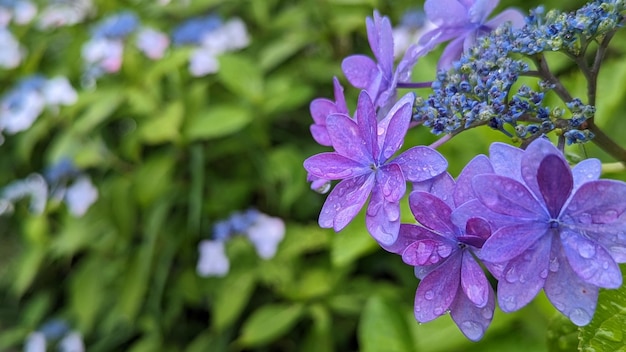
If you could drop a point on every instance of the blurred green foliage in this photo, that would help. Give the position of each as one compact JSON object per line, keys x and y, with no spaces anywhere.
{"x":171,"y":154}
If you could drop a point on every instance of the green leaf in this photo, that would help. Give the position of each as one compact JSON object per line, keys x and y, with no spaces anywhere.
{"x":98,"y":112}
{"x":383,"y":327}
{"x":30,"y":263}
{"x":217,"y":121}
{"x":153,"y":178}
{"x":606,"y":331}
{"x":87,"y":293}
{"x":242,"y":76}
{"x":165,"y":126}
{"x":268,"y":323}
{"x":351,"y":243}
{"x":562,"y":334}
{"x":280,"y":50}
{"x":232,"y":298}
{"x":320,"y":335}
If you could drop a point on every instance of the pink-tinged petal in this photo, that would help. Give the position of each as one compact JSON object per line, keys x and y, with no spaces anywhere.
{"x":345,"y":201}
{"x":532,"y":158}
{"x":474,"y":208}
{"x":446,"y":13}
{"x":511,"y":241}
{"x":590,"y":261}
{"x":367,"y":123}
{"x":569,"y":294}
{"x":409,"y":234}
{"x":451,"y":53}
{"x":473,"y":281}
{"x":346,"y":138}
{"x":320,"y":134}
{"x":477,"y":231}
{"x":586,"y":171}
{"x":506,"y":160}
{"x":506,"y":196}
{"x":524,"y":276}
{"x":426,"y":252}
{"x":437,"y":290}
{"x":390,"y":182}
{"x":471,"y":320}
{"x":555,"y":183}
{"x":463,"y":191}
{"x":332,"y":166}
{"x":360,"y":70}
{"x":515,"y":17}
{"x":392,"y":129}
{"x":432,"y":213}
{"x":380,"y":37}
{"x":421,"y":163}
{"x":382,"y":218}
{"x":320,"y":108}
{"x":340,"y":99}
{"x":481,"y":9}
{"x":440,"y":186}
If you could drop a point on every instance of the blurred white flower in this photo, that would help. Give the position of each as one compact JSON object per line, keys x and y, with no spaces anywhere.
{"x":24,"y":12}
{"x":19,"y":113}
{"x":35,"y":342}
{"x":105,"y":54}
{"x":64,"y":13}
{"x":213,"y":260}
{"x":72,"y":342}
{"x":80,"y":196}
{"x":265,"y":234}
{"x":203,"y":62}
{"x":11,"y":52}
{"x":152,"y":43}
{"x":233,"y":35}
{"x":33,"y":186}
{"x":59,"y":91}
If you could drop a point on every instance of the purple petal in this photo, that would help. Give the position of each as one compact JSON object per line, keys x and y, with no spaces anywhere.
{"x":446,"y":13}
{"x":481,"y":9}
{"x":367,"y":123}
{"x":590,"y":261}
{"x":463,"y":191}
{"x":471,"y":320}
{"x":332,"y":166}
{"x":473,"y":281}
{"x":437,"y":290}
{"x":506,"y":160}
{"x":380,"y":37}
{"x":345,"y":201}
{"x":346,"y":139}
{"x":320,"y":108}
{"x":511,"y":241}
{"x":390,"y":181}
{"x":360,"y":70}
{"x":421,"y":163}
{"x":432,"y":213}
{"x":382,"y":218}
{"x":340,"y":99}
{"x":532,"y":158}
{"x":409,"y":234}
{"x":392,"y":129}
{"x":478,"y":227}
{"x":427,"y":251}
{"x":474,"y":208}
{"x":555,"y":183}
{"x":441,"y":186}
{"x":506,"y":196}
{"x":586,"y":171}
{"x":570,"y":295}
{"x":509,"y":15}
{"x":451,"y":53}
{"x":524,"y":276}
{"x":320,"y":134}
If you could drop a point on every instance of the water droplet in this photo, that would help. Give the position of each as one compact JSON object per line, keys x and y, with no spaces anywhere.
{"x":544,"y":273}
{"x":610,"y":215}
{"x":586,"y":250}
{"x":605,"y":265}
{"x":381,"y":130}
{"x":429,"y":295}
{"x":486,"y":313}
{"x":511,"y":276}
{"x":438,"y":311}
{"x":472,"y":329}
{"x":444,"y":251}
{"x":508,"y":303}
{"x":323,"y":189}
{"x":585,"y":218}
{"x":579,"y":317}
{"x":554,"y":264}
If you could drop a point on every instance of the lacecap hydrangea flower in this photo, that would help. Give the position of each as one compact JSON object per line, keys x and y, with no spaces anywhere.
{"x":363,"y":160}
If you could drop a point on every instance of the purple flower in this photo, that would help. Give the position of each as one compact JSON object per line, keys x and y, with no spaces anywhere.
{"x":462,"y":21}
{"x":561,"y":229}
{"x":320,"y":109}
{"x":378,"y":78}
{"x":443,"y":254}
{"x":363,"y":161}
{"x":212,"y":260}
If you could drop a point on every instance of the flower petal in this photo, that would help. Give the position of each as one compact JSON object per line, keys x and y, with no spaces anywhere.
{"x":471,"y":320}
{"x":425,"y":252}
{"x":346,"y":138}
{"x":506,"y":160}
{"x":380,"y":37}
{"x":451,"y":53}
{"x":345,"y":201}
{"x":441,"y":186}
{"x":367,"y":123}
{"x":408,"y":234}
{"x":340,"y":99}
{"x":320,"y":108}
{"x":511,"y":241}
{"x":473,"y":281}
{"x":463,"y":191}
{"x":507,"y":196}
{"x":382,"y":218}
{"x":390,"y":181}
{"x":432,"y":213}
{"x":555,"y":183}
{"x":509,"y":15}
{"x":481,"y":9}
{"x":392,"y":129}
{"x":320,"y":134}
{"x":446,"y":13}
{"x":360,"y":70}
{"x":421,"y":163}
{"x":586,"y":171}
{"x":532,"y":158}
{"x":474,"y":208}
{"x":569,"y":294}
{"x":524,"y":276}
{"x":437,"y":290}
{"x":332,"y":166}
{"x":590,"y":261}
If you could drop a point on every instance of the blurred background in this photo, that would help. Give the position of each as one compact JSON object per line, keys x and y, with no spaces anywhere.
{"x":152,"y":191}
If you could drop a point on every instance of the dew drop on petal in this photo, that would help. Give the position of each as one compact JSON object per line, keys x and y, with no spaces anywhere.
{"x":472,"y":329}
{"x":544,"y":273}
{"x":605,"y":265}
{"x":554,"y":264}
{"x":508,"y":303}
{"x":487,"y":313}
{"x":429,"y":295}
{"x":586,"y":250}
{"x":438,"y":311}
{"x":610,"y":215}
{"x":381,"y":130}
{"x":585,"y":218}
{"x":511,"y":276}
{"x":444,"y":251}
{"x":579,"y":317}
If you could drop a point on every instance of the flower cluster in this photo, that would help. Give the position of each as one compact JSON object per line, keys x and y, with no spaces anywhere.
{"x":264,"y":231}
{"x":524,"y":215}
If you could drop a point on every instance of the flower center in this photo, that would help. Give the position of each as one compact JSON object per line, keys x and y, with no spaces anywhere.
{"x":554,"y":223}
